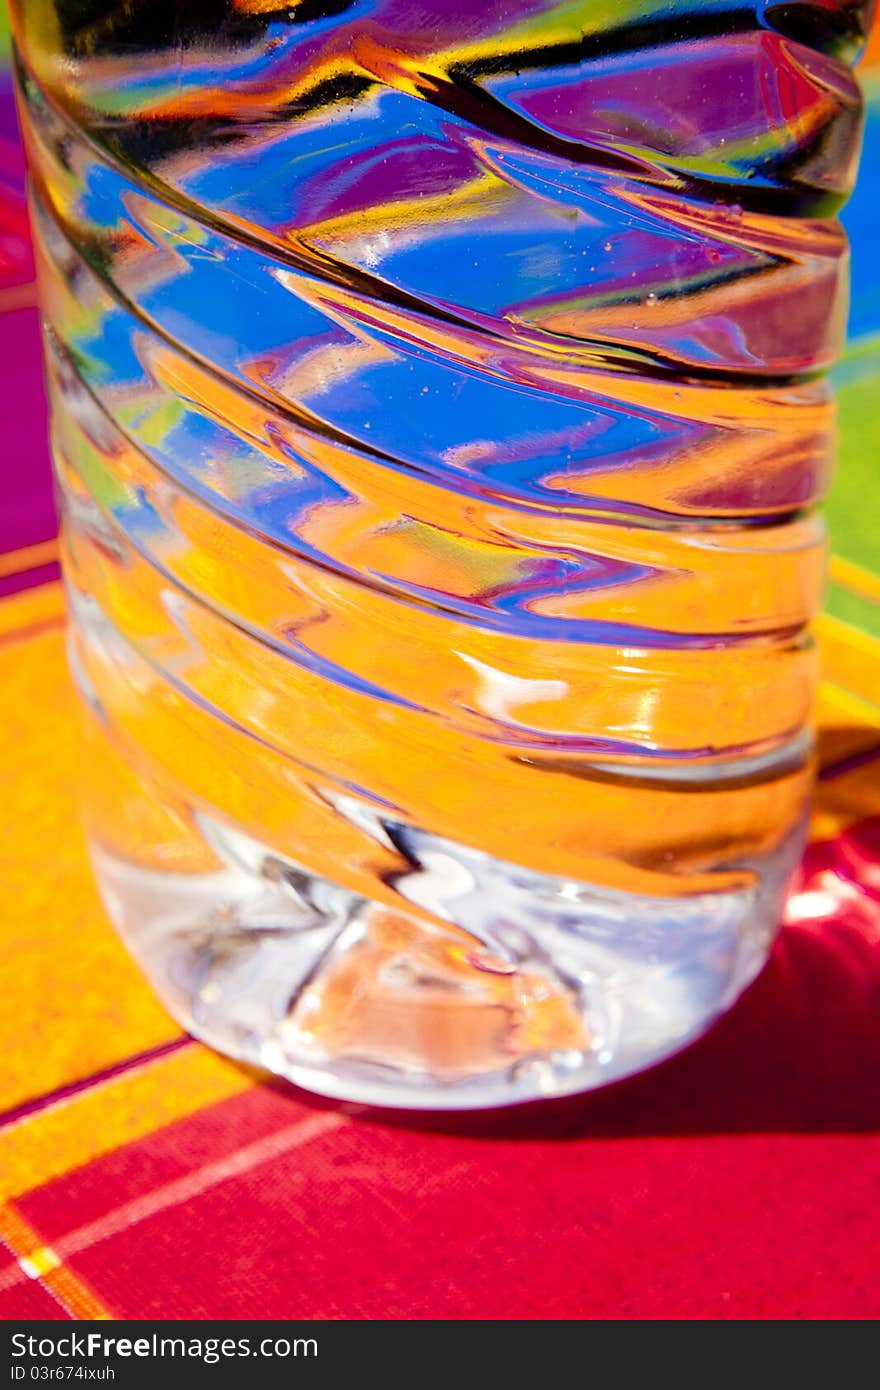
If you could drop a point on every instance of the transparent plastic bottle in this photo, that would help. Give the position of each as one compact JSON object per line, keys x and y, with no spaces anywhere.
{"x":439,"y":417}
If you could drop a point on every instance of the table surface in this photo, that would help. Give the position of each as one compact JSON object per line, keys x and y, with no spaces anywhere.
{"x":142,"y":1175}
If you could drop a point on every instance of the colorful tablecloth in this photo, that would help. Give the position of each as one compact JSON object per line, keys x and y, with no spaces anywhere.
{"x":143,"y":1176}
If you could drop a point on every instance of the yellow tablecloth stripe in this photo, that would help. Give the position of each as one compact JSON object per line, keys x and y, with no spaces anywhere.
{"x":102,"y":1118}
{"x":49,"y":907}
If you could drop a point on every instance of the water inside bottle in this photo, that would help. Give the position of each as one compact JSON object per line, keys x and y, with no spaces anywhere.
{"x":439,"y":415}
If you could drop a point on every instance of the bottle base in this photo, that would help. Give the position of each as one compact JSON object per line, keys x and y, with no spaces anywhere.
{"x":555,"y":988}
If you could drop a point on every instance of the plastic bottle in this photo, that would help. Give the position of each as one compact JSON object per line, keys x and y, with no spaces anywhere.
{"x":439,"y":416}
